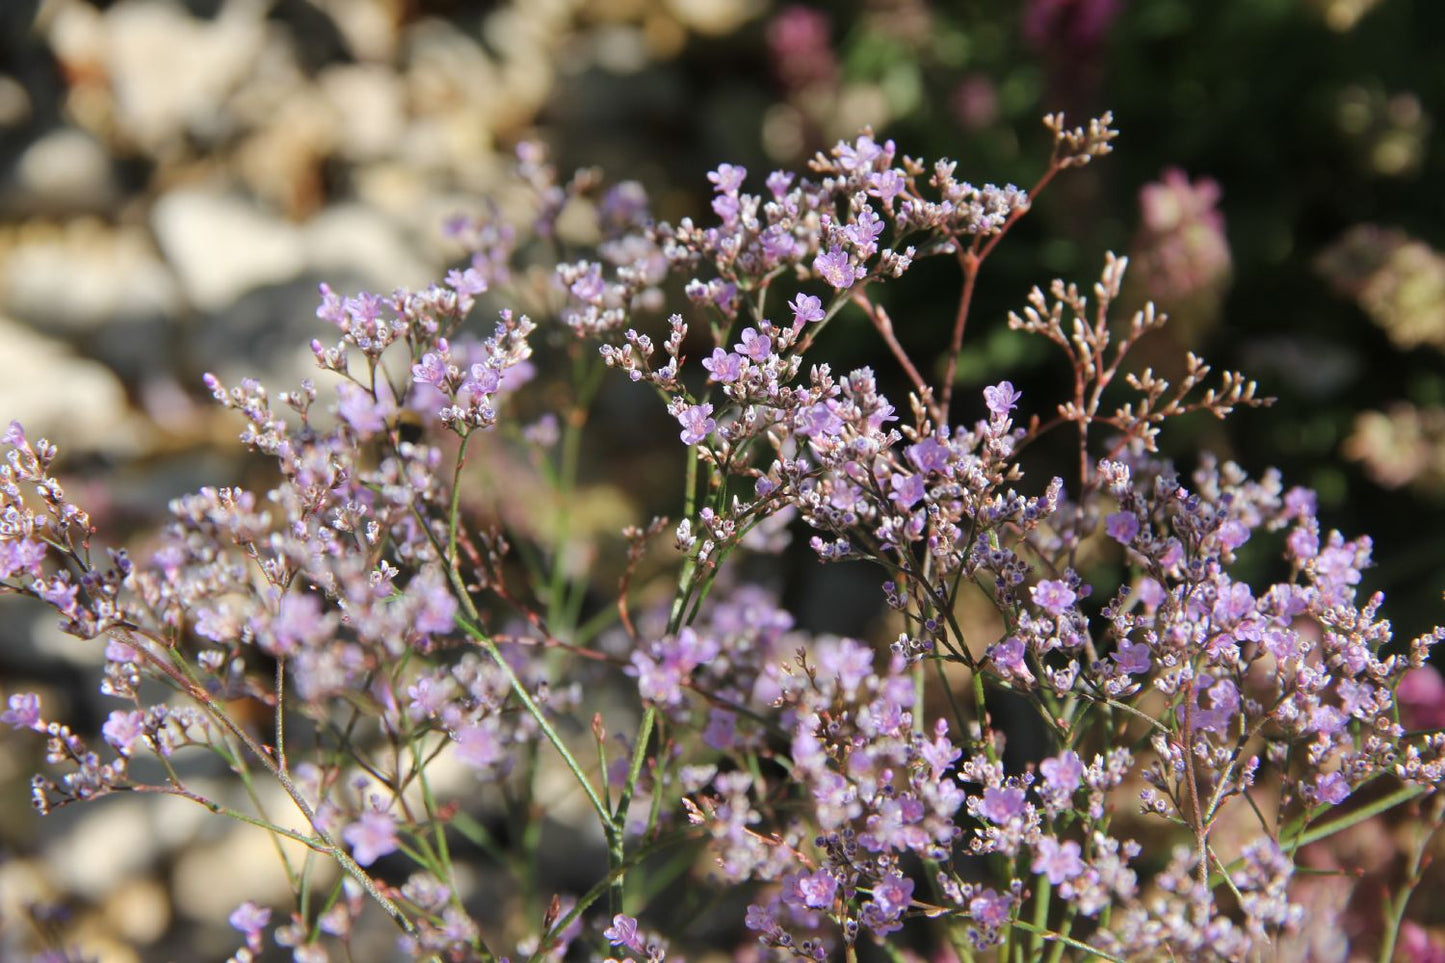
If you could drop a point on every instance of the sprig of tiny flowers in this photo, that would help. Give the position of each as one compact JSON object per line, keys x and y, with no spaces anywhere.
{"x":367,"y":604}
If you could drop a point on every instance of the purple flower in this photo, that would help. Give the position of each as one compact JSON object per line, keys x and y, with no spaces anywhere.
{"x":623,"y":932}
{"x":817,"y":889}
{"x":431,"y":370}
{"x":21,"y":555}
{"x":1053,"y":596}
{"x":24,"y":711}
{"x":60,"y":593}
{"x":820,"y":420}
{"x":1233,"y":534}
{"x":1001,"y":398}
{"x":1223,"y":706}
{"x":123,"y":730}
{"x":854,"y":158}
{"x":1008,"y":657}
{"x":806,"y":308}
{"x":724,"y":366}
{"x":990,"y":909}
{"x":892,"y":894}
{"x":1122,"y":527}
{"x":428,"y":697}
{"x":364,"y":414}
{"x":438,"y":607}
{"x":251,"y":920}
{"x":1132,"y":657}
{"x":1058,"y":861}
{"x":835,"y":268}
{"x":1063,"y":772}
{"x":371,"y":837}
{"x":298,"y":622}
{"x":886,"y":185}
{"x":1332,"y":788}
{"x":468,"y":283}
{"x":908,"y":489}
{"x":1001,"y":804}
{"x":728,"y":178}
{"x":589,"y":286}
{"x":929,"y":455}
{"x":755,"y":346}
{"x":864,"y":232}
{"x":696,"y":423}
{"x":479,"y":747}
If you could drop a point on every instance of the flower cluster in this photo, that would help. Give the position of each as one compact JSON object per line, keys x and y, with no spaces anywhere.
{"x":424,"y":661}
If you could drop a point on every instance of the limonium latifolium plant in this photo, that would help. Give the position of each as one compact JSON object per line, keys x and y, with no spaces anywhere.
{"x":439,"y":680}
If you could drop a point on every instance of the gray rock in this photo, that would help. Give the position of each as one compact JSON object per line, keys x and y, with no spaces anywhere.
{"x":63,"y":172}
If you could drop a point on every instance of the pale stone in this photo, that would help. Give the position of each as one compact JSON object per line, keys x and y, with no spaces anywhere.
{"x":715,"y":17}
{"x":75,"y":402}
{"x":352,"y":239}
{"x":14,"y":103}
{"x":370,"y":105}
{"x":222,"y":246}
{"x":81,"y":275}
{"x":245,"y":859}
{"x":139,"y":911}
{"x":169,"y":70}
{"x":368,"y":26}
{"x":106,"y":845}
{"x":65,"y":170}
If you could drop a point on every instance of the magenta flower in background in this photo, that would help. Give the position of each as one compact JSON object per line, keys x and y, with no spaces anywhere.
{"x":1068,"y":23}
{"x":1181,"y":249}
{"x":1421,"y":695}
{"x":800,"y":44}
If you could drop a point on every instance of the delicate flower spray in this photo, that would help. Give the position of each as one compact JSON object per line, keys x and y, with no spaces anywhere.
{"x":399,"y":635}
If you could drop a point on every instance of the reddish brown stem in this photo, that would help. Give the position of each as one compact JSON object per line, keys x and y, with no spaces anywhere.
{"x":884,"y":324}
{"x":971,"y":259}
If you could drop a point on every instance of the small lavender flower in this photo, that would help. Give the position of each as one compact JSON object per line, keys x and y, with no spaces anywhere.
{"x":1001,"y":398}
{"x":696,"y":423}
{"x":1053,"y":596}
{"x":251,"y":920}
{"x":1122,"y":527}
{"x":124,"y":729}
{"x":806,"y":309}
{"x":23,"y":711}
{"x":371,"y":836}
{"x":1058,"y":861}
{"x":837,"y":269}
{"x":623,"y":932}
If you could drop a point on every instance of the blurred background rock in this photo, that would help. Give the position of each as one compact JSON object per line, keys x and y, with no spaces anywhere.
{"x":177,"y":177}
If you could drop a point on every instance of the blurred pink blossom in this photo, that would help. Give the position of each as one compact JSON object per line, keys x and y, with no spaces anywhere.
{"x":1422,"y":698}
{"x":1182,"y":249}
